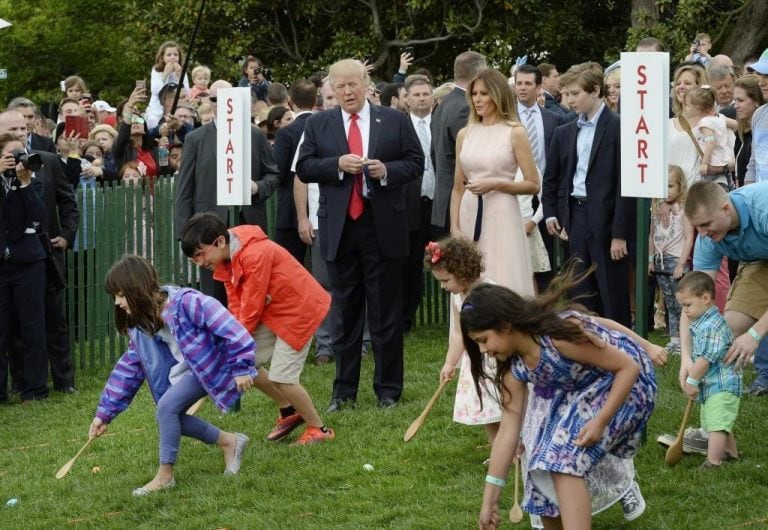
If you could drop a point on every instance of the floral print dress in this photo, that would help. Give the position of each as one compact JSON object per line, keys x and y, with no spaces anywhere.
{"x":576,"y":392}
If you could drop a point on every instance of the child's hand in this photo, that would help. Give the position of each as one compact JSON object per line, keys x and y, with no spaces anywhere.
{"x":679,"y":271}
{"x":97,"y":427}
{"x":489,"y":518}
{"x":651,"y":267}
{"x":591,"y":433}
{"x":244,"y":383}
{"x":690,"y":390}
{"x":657,"y":355}
{"x":446,"y":372}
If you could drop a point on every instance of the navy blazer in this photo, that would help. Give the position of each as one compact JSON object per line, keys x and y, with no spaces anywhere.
{"x":610,"y":214}
{"x":286,"y":142}
{"x":393,"y":141}
{"x":22,"y":209}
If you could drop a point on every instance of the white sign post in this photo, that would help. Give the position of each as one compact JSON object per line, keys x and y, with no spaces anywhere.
{"x":233,"y":147}
{"x":644,"y":124}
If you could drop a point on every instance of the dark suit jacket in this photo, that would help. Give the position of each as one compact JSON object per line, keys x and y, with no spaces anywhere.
{"x":610,"y":214}
{"x":21,"y":208}
{"x":41,"y":143}
{"x":196,"y":183}
{"x":551,"y":121}
{"x":61,"y":213}
{"x":392,"y":140}
{"x":450,"y":117}
{"x":286,"y":142}
{"x":551,"y":104}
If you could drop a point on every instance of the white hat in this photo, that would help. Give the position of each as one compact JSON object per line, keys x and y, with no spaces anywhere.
{"x":103,"y":106}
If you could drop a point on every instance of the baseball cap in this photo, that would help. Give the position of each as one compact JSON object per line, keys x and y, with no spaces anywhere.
{"x":103,"y":106}
{"x":761,"y":66}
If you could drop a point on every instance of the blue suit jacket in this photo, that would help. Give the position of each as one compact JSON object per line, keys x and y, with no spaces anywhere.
{"x":286,"y":142}
{"x":393,"y":141}
{"x":610,"y":214}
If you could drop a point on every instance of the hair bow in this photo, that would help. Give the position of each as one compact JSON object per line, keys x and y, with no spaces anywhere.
{"x":434,"y":251}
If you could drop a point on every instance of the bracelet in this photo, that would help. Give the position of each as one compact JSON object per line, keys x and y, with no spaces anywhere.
{"x":490,"y":479}
{"x":693,"y":382}
{"x":754,"y":334}
{"x":651,"y":259}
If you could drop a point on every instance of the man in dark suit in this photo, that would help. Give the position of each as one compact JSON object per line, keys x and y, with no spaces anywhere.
{"x":540,"y":124}
{"x":196,"y":184}
{"x":449,"y":118}
{"x":60,"y":224}
{"x":550,"y":84}
{"x":582,"y":194}
{"x":34,"y":141}
{"x":303,"y":94}
{"x":361,"y":155}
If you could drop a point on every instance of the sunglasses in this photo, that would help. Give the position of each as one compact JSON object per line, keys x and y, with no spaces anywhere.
{"x":212,"y":99}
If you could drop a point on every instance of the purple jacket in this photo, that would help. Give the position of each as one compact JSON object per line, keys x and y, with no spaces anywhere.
{"x":216,"y":346}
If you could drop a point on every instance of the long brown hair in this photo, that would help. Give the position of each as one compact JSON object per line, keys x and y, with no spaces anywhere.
{"x":501,"y":95}
{"x":493,"y":307}
{"x":160,"y":62}
{"x":136,"y":279}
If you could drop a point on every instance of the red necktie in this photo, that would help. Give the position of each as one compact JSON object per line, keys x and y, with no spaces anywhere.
{"x":355,"y":141}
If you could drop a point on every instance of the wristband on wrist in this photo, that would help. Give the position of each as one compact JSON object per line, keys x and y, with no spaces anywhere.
{"x":490,"y":479}
{"x":693,"y":382}
{"x":754,"y":334}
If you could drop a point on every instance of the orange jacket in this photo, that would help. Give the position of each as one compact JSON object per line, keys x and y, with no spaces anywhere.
{"x":260,"y":268}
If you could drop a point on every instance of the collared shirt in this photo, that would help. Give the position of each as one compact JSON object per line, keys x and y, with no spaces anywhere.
{"x":749,"y":242}
{"x":428,"y":180}
{"x":535,"y":109}
{"x":584,"y":138}
{"x":711,"y":339}
{"x":363,"y":123}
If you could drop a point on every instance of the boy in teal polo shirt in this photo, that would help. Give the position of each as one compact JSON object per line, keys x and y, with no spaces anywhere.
{"x":716,"y":385}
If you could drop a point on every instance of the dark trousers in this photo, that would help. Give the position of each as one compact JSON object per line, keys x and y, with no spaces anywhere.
{"x":605,"y":291}
{"x":212,"y":287}
{"x":413,"y":278}
{"x":22,"y":297}
{"x":57,"y":338}
{"x":289,"y":239}
{"x":360,"y":275}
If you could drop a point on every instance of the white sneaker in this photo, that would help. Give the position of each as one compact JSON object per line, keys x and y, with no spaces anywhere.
{"x":632,"y":502}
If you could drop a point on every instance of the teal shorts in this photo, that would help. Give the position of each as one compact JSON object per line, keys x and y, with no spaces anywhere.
{"x":718,"y":413}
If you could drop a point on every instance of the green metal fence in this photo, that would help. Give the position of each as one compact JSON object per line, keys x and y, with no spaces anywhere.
{"x":115,"y":220}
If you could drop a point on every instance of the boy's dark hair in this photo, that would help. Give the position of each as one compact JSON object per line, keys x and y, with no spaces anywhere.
{"x":390,"y":90}
{"x":696,"y":283}
{"x":202,"y":229}
{"x":530,"y":69}
{"x":303,"y":93}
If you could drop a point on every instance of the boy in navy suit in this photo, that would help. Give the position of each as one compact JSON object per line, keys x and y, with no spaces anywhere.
{"x":582,"y":193}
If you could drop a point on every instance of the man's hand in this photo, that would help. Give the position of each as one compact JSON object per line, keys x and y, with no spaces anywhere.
{"x":306,"y":232}
{"x":351,"y":164}
{"x":741,"y":350}
{"x":406,"y":60}
{"x":665,"y":211}
{"x":59,"y":243}
{"x":618,"y":249}
{"x":375,"y":169}
{"x":254,"y":188}
{"x":553,"y":227}
{"x":563,"y":235}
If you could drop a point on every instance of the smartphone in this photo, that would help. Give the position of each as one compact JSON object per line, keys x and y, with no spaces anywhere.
{"x":76,"y":124}
{"x":369,"y":58}
{"x":409,"y":50}
{"x":141,"y":83}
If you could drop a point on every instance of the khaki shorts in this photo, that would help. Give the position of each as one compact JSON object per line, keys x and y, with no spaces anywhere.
{"x":286,"y":363}
{"x":749,"y":292}
{"x":718,"y":413}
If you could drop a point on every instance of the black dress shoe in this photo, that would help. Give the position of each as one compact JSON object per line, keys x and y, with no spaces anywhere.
{"x":338,"y":404}
{"x":387,"y":403}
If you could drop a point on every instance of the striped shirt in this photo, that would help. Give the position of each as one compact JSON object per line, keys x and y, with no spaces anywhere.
{"x":757,"y":167}
{"x":711,"y":339}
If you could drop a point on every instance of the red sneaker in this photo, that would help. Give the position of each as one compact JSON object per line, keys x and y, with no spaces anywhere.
{"x":315,"y":435}
{"x":284,"y":426}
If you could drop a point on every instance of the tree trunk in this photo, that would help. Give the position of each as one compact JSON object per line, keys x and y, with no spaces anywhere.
{"x":747,"y":38}
{"x":645,"y":13}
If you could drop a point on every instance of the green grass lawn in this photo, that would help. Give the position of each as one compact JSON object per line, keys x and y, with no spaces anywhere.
{"x":435,"y":481}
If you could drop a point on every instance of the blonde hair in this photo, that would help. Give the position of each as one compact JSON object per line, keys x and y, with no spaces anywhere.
{"x":77,"y":81}
{"x":701,"y":79}
{"x":501,"y":95}
{"x":703,"y":98}
{"x":347,"y":67}
{"x":676,"y":173}
{"x":615,"y":73}
{"x":200,"y":69}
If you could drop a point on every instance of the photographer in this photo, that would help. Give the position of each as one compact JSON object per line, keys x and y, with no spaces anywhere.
{"x":256,"y":76}
{"x":22,"y":267}
{"x":699,"y":51}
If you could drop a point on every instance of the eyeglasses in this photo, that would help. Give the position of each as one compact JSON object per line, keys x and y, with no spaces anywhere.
{"x":202,"y":253}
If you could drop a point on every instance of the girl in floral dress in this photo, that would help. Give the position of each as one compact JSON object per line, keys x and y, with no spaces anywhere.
{"x":595,"y":374}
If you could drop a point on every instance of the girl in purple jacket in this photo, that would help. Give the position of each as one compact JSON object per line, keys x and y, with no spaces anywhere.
{"x":186,"y":345}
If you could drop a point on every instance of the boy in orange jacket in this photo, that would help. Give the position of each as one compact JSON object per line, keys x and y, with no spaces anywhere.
{"x":278,"y":302}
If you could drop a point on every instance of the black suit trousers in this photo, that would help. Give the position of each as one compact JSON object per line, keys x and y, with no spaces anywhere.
{"x":289,"y":239}
{"x":360,"y":275}
{"x":605,"y":291}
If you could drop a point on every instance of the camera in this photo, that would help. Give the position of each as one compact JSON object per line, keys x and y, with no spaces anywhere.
{"x":266,"y":72}
{"x":31,"y":162}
